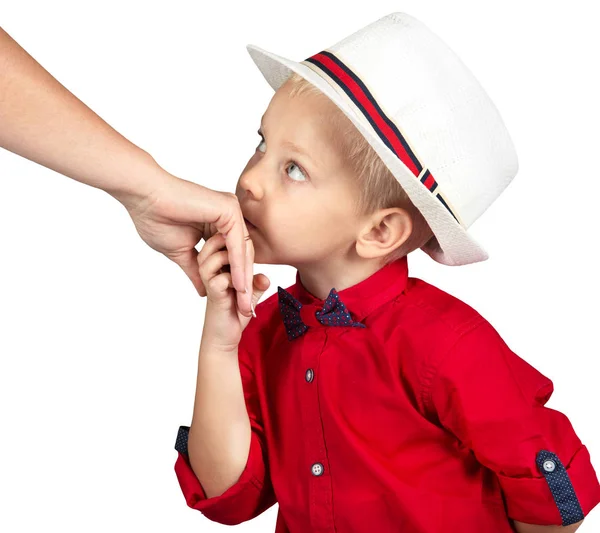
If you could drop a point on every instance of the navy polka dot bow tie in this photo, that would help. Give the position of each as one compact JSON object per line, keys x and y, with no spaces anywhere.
{"x":333,"y":313}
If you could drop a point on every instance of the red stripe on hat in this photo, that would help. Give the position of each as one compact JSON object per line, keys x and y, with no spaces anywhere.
{"x":429,"y":181}
{"x":367,"y":104}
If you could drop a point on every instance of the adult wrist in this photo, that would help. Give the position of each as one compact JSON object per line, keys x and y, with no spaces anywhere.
{"x":139,"y":182}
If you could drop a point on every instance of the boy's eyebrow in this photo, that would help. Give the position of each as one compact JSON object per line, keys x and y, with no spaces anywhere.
{"x":290,"y":144}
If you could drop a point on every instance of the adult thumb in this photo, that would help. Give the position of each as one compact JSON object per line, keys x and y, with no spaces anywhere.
{"x":188,"y":261}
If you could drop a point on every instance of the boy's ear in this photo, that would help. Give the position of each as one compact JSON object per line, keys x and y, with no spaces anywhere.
{"x":384,"y":231}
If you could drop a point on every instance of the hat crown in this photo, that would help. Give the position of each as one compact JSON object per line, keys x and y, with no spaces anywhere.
{"x":425,"y":115}
{"x":440,"y":108}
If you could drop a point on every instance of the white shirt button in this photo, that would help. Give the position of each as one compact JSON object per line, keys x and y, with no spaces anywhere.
{"x":317,"y":469}
{"x":309,"y":375}
{"x":549,"y":465}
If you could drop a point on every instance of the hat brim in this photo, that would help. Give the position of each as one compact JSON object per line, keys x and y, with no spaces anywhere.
{"x":451,"y":244}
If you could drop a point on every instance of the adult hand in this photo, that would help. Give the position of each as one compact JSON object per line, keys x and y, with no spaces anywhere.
{"x":175,"y":215}
{"x":44,"y":122}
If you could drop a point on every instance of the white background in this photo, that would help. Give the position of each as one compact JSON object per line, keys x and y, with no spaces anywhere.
{"x":100,"y":334}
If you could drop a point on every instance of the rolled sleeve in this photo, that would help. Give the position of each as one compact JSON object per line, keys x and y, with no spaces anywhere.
{"x":247,"y":498}
{"x":493,"y":401}
{"x":253,"y":493}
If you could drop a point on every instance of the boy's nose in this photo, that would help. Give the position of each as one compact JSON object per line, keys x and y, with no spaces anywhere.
{"x":252,"y":186}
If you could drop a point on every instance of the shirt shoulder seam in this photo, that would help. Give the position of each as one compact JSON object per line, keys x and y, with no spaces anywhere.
{"x":432,"y":370}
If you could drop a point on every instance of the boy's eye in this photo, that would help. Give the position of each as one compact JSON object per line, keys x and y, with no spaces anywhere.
{"x":262,"y":140}
{"x":293,"y":165}
{"x":298,"y":171}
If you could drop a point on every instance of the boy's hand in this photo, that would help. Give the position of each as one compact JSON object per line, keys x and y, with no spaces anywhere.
{"x":224,"y":323}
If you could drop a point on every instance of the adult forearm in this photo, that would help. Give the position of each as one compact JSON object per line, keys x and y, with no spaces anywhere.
{"x":219,"y":437}
{"x":45,"y":123}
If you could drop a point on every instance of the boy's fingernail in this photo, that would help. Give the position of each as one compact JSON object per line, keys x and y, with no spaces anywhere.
{"x":253,"y":312}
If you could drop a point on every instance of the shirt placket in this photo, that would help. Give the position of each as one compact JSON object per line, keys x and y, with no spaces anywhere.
{"x":317,"y":463}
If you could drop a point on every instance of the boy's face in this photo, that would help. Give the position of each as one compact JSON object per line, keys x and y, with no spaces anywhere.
{"x":300,"y":199}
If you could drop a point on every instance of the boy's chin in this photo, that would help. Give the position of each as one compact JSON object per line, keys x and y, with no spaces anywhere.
{"x":266,"y":257}
{"x":259,"y":255}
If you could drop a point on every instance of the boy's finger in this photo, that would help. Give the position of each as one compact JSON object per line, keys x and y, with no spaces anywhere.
{"x":213,"y":266}
{"x":220,"y":285}
{"x":261,"y":284}
{"x":212,"y":245}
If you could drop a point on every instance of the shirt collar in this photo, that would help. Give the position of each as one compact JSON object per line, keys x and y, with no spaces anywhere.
{"x":367,"y":295}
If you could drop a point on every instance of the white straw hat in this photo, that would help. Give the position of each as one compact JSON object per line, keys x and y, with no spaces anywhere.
{"x":425,"y":115}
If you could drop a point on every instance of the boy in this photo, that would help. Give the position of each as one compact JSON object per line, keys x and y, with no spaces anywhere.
{"x":361,"y":399}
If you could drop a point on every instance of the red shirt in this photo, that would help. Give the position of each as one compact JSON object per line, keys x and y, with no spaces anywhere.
{"x":424,"y":421}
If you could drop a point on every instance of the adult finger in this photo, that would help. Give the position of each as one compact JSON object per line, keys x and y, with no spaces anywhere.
{"x":188,"y":262}
{"x":221,"y":210}
{"x":195,"y":204}
{"x":235,"y":231}
{"x":250,"y":266}
{"x":241,"y":298}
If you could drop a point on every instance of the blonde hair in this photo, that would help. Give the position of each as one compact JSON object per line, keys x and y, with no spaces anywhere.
{"x":377,"y":186}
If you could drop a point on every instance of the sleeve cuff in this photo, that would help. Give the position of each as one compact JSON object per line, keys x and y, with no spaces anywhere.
{"x":559,"y":496}
{"x":240,"y":502}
